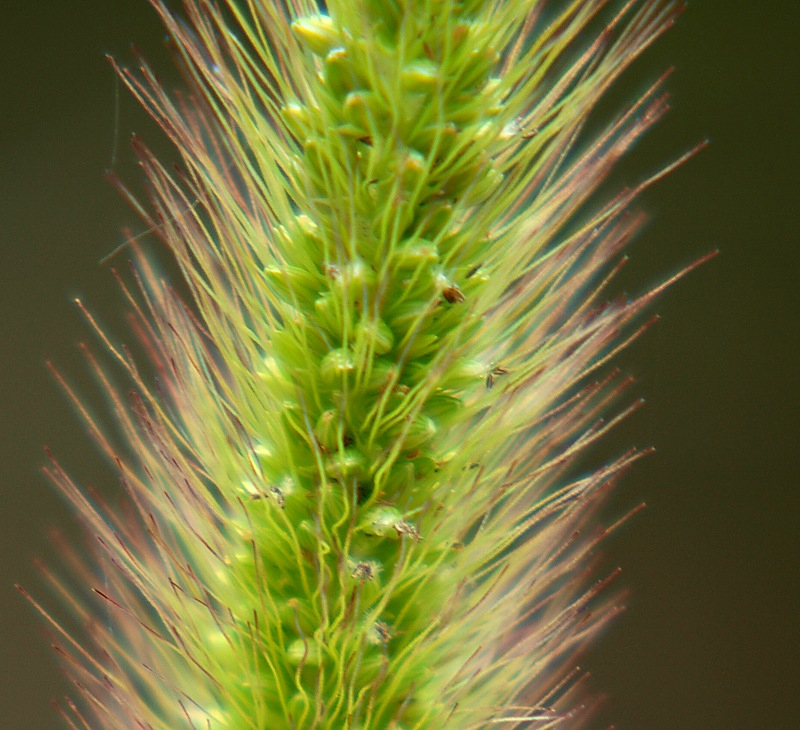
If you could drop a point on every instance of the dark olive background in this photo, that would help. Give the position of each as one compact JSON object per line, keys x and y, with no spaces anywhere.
{"x":710,"y":638}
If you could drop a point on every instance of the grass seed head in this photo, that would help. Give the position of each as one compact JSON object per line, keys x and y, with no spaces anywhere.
{"x":351,"y":476}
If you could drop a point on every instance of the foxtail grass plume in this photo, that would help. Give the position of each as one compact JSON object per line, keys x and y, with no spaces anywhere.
{"x":349,"y":459}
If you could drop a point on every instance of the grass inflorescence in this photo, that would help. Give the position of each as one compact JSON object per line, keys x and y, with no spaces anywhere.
{"x":352,"y":504}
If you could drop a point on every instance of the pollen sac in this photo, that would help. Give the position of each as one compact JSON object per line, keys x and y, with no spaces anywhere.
{"x":409,"y":530}
{"x":378,"y":632}
{"x":364,"y":571}
{"x":450,"y":291}
{"x":317,"y":33}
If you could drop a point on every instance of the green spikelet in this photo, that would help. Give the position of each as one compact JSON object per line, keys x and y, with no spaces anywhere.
{"x":351,"y":478}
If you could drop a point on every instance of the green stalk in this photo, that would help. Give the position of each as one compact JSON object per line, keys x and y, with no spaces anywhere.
{"x":353,"y":503}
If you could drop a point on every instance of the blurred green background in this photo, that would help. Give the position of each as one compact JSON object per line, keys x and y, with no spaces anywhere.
{"x":710,"y":639}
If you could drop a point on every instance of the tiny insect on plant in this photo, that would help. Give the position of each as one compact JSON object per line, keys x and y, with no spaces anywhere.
{"x":349,"y":458}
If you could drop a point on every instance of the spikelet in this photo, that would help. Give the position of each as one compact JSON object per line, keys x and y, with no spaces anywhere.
{"x":350,"y":480}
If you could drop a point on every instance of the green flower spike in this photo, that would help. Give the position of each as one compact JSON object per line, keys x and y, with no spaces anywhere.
{"x":350,"y":479}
